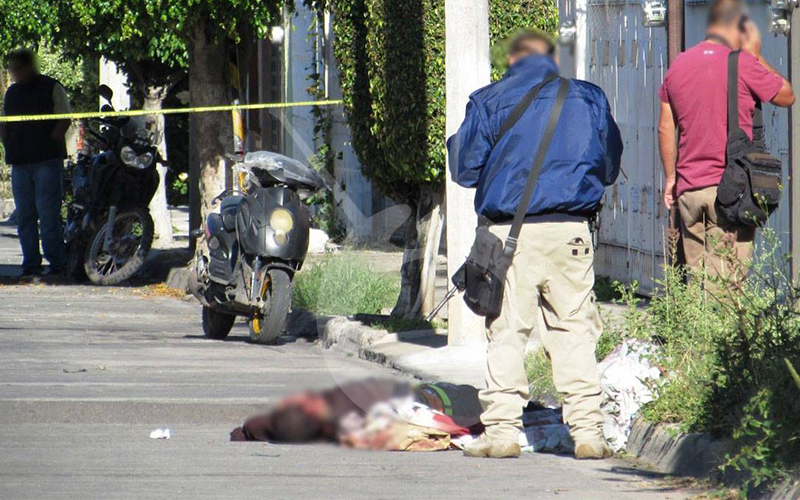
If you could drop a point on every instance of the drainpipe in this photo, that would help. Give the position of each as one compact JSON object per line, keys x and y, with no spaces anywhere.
{"x":675,"y":38}
{"x":794,"y":145}
{"x":675,"y":34}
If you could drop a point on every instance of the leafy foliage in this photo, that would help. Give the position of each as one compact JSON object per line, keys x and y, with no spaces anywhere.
{"x":727,"y":347}
{"x":22,"y":21}
{"x":156,"y":30}
{"x":325,"y":216}
{"x":392,"y":72}
{"x":78,"y":75}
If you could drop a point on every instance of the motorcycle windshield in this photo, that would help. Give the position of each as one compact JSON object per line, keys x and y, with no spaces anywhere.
{"x":284,"y":169}
{"x":142,"y":131}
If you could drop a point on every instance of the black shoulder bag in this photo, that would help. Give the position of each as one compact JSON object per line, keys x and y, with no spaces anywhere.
{"x":749,"y":190}
{"x":482,"y":277}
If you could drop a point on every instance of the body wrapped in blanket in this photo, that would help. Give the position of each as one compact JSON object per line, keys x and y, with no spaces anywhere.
{"x":371,"y":413}
{"x":383,"y":414}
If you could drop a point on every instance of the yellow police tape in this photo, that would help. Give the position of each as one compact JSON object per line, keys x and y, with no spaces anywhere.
{"x":172,"y":111}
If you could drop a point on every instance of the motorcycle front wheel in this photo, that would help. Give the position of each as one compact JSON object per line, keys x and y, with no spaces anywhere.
{"x":131,"y":242}
{"x":267,"y":324}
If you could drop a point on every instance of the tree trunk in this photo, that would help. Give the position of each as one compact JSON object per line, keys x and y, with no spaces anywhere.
{"x":153,"y":99}
{"x":212,"y":132}
{"x":422,"y":235}
{"x":433,"y":226}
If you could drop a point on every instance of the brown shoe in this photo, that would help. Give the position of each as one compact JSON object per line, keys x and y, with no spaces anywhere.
{"x":486,"y":447}
{"x":592,"y":452}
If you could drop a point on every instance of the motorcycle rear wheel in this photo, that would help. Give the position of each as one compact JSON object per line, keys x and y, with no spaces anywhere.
{"x":217,"y":325}
{"x":268,"y":324}
{"x":133,"y":237}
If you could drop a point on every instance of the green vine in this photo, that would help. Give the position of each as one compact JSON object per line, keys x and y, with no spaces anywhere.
{"x":391,"y":62}
{"x":325,"y":157}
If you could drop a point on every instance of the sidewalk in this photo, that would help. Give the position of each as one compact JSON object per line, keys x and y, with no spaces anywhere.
{"x":423,"y":353}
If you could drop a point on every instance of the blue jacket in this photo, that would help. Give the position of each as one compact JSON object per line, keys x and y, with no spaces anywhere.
{"x":583,"y":159}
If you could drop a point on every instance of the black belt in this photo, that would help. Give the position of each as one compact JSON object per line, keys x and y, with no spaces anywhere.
{"x":539,"y":218}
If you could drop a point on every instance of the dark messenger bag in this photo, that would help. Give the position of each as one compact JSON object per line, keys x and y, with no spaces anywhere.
{"x":483,"y":275}
{"x":750,"y":188}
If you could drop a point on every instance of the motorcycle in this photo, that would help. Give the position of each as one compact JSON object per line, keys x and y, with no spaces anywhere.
{"x":109,"y":230}
{"x":255,"y":242}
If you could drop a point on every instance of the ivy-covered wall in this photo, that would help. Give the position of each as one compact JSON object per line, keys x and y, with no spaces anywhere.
{"x":391,"y":56}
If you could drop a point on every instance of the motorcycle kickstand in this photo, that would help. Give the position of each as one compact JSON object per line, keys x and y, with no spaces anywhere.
{"x":112,"y":215}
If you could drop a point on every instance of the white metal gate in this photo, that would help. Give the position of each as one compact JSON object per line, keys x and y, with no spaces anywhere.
{"x":628,"y":61}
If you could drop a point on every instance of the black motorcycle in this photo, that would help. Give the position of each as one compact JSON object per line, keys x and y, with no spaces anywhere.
{"x":109,"y":229}
{"x":254,"y":245}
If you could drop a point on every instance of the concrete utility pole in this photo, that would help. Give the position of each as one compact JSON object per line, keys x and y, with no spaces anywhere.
{"x":468,"y":68}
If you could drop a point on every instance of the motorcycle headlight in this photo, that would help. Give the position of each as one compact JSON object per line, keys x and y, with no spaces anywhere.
{"x":128,"y":156}
{"x":144,"y":160}
{"x":281,"y":220}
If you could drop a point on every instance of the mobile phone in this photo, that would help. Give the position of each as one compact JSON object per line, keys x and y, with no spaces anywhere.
{"x":743,"y":23}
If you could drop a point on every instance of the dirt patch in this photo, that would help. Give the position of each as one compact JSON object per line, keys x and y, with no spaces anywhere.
{"x":159,"y":290}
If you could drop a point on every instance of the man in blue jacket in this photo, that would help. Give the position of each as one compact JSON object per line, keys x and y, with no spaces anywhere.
{"x":552,"y":272}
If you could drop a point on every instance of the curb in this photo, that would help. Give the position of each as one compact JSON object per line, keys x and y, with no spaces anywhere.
{"x":423,"y":354}
{"x":665,"y":449}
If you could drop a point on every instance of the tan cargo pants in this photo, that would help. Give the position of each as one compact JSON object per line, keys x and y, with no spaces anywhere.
{"x":705,"y":243}
{"x":552,"y":274}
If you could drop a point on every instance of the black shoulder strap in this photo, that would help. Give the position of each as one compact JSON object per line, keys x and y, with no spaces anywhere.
{"x":533,"y":176}
{"x":733,"y":91}
{"x":521,"y":106}
{"x":733,"y":101}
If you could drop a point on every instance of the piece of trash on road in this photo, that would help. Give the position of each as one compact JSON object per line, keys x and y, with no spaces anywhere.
{"x":160,"y":434}
{"x":76,"y":370}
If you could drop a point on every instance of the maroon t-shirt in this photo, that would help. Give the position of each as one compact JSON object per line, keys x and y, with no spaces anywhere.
{"x":696,"y":86}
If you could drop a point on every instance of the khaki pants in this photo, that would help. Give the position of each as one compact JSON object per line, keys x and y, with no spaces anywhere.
{"x":705,"y":243}
{"x":552,"y":274}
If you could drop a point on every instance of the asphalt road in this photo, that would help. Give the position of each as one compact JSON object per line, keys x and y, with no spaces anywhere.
{"x":87,"y":373}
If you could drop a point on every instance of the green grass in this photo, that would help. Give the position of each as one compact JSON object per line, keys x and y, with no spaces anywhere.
{"x":540,"y":370}
{"x":540,"y":377}
{"x":340,"y":285}
{"x":606,"y":289}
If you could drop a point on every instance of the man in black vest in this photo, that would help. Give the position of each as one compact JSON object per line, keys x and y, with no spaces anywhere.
{"x":36,"y":151}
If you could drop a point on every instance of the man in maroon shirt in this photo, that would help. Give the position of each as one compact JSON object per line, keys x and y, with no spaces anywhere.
{"x":694,"y":100}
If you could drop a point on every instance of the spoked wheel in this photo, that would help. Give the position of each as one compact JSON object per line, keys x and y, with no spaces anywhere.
{"x":217,"y":325}
{"x":132,"y":239}
{"x":267,"y":325}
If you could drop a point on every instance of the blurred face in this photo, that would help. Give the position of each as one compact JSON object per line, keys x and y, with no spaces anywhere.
{"x":19,"y":72}
{"x":531,"y":47}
